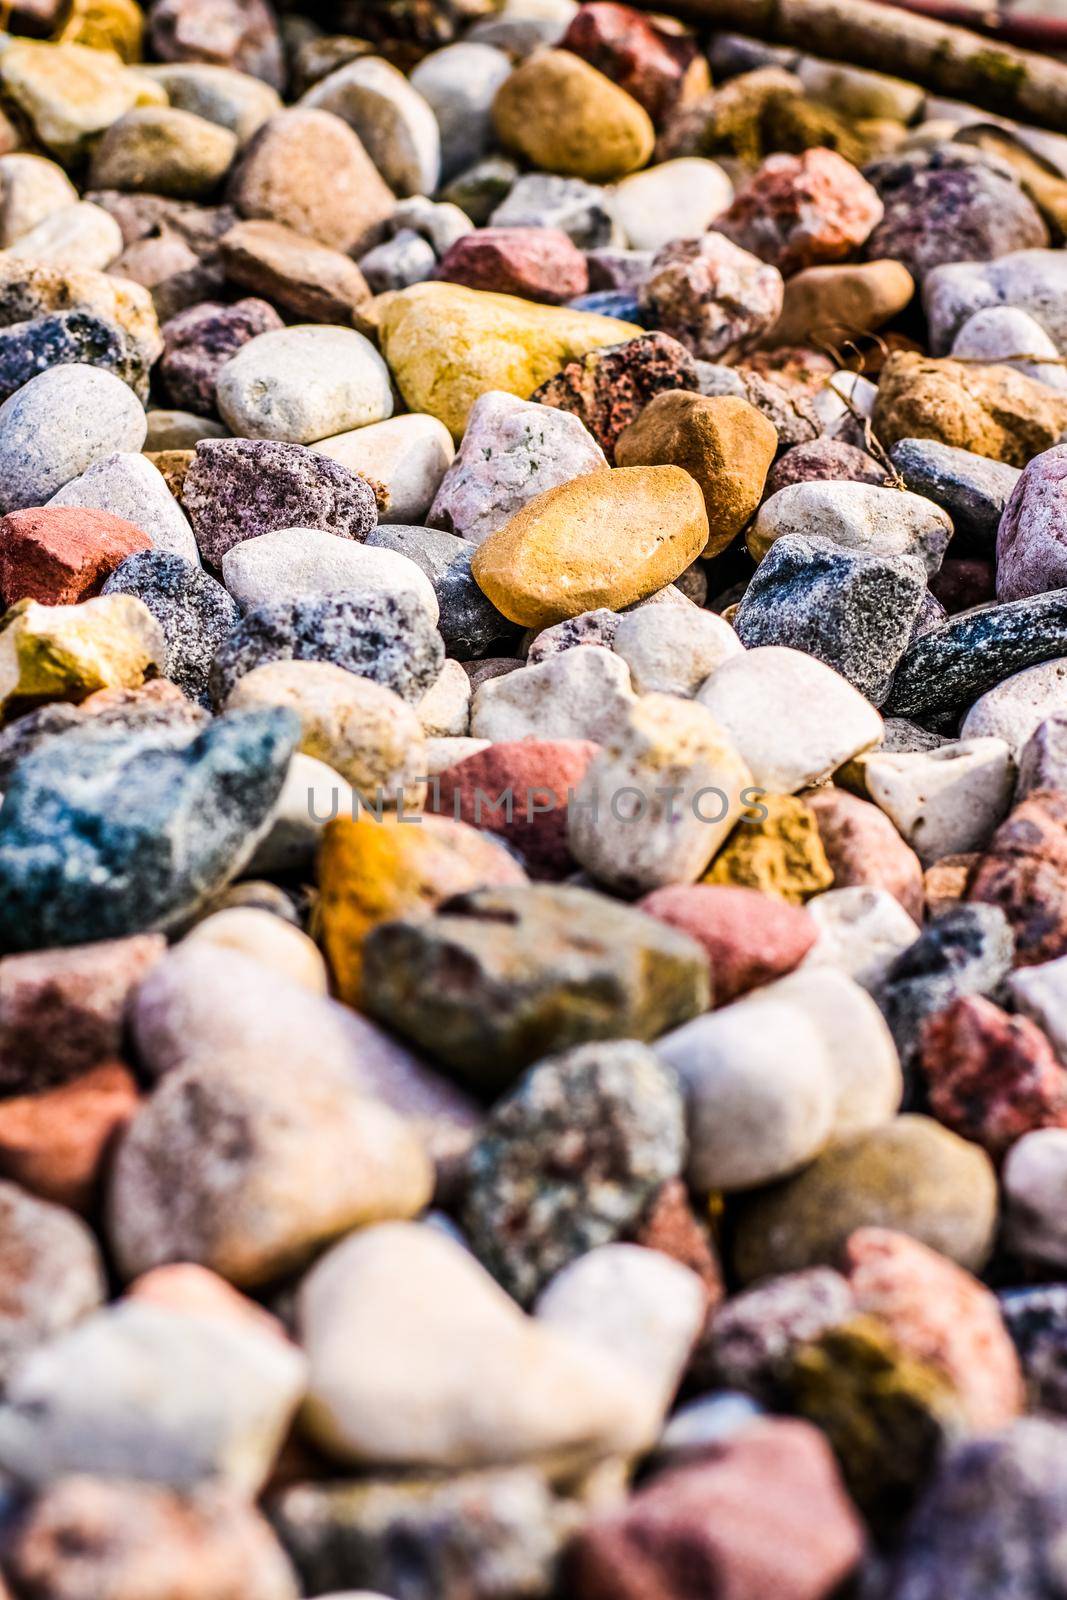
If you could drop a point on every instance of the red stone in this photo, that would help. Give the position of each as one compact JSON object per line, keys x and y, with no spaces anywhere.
{"x":670,"y":1225}
{"x":963,"y":584}
{"x":1024,"y":872}
{"x":863,"y":847}
{"x":538,"y":774}
{"x":627,"y":47}
{"x":57,"y":1144}
{"x":763,"y":1515}
{"x":750,"y":937}
{"x":609,"y":388}
{"x":822,"y":459}
{"x":991,"y":1077}
{"x":802,"y":211}
{"x":536,"y":263}
{"x":62,"y":554}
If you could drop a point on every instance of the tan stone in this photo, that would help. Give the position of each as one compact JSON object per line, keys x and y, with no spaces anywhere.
{"x":68,"y":652}
{"x":605,"y":539}
{"x":564,"y":116}
{"x":314,"y":282}
{"x":71,"y":93}
{"x":994,"y":411}
{"x":829,"y":305}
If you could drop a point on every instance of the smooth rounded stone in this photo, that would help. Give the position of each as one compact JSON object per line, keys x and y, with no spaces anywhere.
{"x":1031,"y":280}
{"x":604,"y":539}
{"x":588,"y":627}
{"x":512,"y":451}
{"x":30,"y":290}
{"x":525,"y":1214}
{"x":546,"y":200}
{"x":60,"y":556}
{"x":387,"y":637}
{"x":70,"y":93}
{"x":823,"y":460}
{"x":723,"y":442}
{"x":444,"y":753}
{"x":539,"y":264}
{"x":233,"y":100}
{"x":75,"y":236}
{"x":293,"y":564}
{"x":1018,"y":706}
{"x":307,"y":279}
{"x":171,"y":819}
{"x":1043,"y":759}
{"x":194,"y":612}
{"x":56,"y":1143}
{"x":562,"y":115}
{"x":50,"y":652}
{"x":57,"y":425}
{"x":200,"y":340}
{"x":239,"y":34}
{"x":672,"y":651}
{"x":833,"y":304}
{"x":675,"y":200}
{"x":971,"y":488}
{"x":660,"y":798}
{"x":303,"y":384}
{"x":805,"y":210}
{"x":793,"y":719}
{"x":405,"y":259}
{"x":1035,"y":1172}
{"x":1010,"y":336}
{"x":856,"y":92}
{"x":135,"y":1390}
{"x":947,"y":801}
{"x":749,"y":937}
{"x":267,"y":939}
{"x":241,"y":489}
{"x":395,"y":125}
{"x":32,"y":188}
{"x":138,"y":1538}
{"x":400,"y":1294}
{"x":530,"y":960}
{"x":445,"y":708}
{"x":358,"y":728}
{"x":954,"y":663}
{"x":652,"y":62}
{"x":856,"y":516}
{"x":53,"y":1274}
{"x":991,"y":410}
{"x":764,"y":1512}
{"x":578,"y":694}
{"x":459,"y":83}
{"x":861,"y":930}
{"x":909,"y":1174}
{"x":1031,"y":546}
{"x":470,"y":623}
{"x":966,"y":949}
{"x":180,"y":430}
{"x":447,"y":345}
{"x":163,"y":151}
{"x":864,"y":848}
{"x":127,"y":485}
{"x":307,"y":170}
{"x":1039,"y":992}
{"x":311,"y":795}
{"x":717,"y":299}
{"x":408,"y":455}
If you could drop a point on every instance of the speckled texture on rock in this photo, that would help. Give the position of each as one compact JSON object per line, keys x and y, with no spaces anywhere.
{"x":716,"y":298}
{"x":608,"y":389}
{"x":198,"y":343}
{"x":193,"y":610}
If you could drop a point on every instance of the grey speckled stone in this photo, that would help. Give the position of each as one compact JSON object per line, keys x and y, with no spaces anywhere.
{"x":387,"y":638}
{"x":1036,"y":1318}
{"x":966,"y":950}
{"x":63,"y":338}
{"x":129,"y":486}
{"x":429,"y":548}
{"x":57,"y":425}
{"x":158,"y":704}
{"x":854,"y":611}
{"x":105,"y":832}
{"x":470,"y":623}
{"x":193,"y":610}
{"x":973,"y":489}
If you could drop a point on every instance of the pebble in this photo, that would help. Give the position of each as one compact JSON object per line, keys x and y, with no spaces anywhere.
{"x":72,"y":237}
{"x":675,"y":200}
{"x":1005,"y":334}
{"x":546,"y":200}
{"x":56,"y":1144}
{"x":128,"y":485}
{"x":267,"y":939}
{"x":32,"y":188}
{"x":404,"y":259}
{"x":70,"y":94}
{"x":750,"y":938}
{"x":1018,"y":706}
{"x":971,"y":488}
{"x":673,"y":650}
{"x":864,"y":848}
{"x":164,"y":151}
{"x":408,"y":456}
{"x":803,"y":211}
{"x":57,"y":425}
{"x":610,"y":387}
{"x":234,"y":99}
{"x":947,"y":801}
{"x":194,"y":613}
{"x":578,"y":694}
{"x":832,"y":304}
{"x":540,"y":264}
{"x":967,"y":949}
{"x":307,"y":279}
{"x":302,"y":384}
{"x":992,"y":411}
{"x":1030,"y":546}
{"x":63,"y":554}
{"x":69,"y":652}
{"x":459,"y":83}
{"x":1030,"y":280}
{"x":1021,"y":873}
{"x":862,"y":930}
{"x":293,"y":564}
{"x":1042,"y":757}
{"x":823,"y":460}
{"x":242,"y":36}
{"x":561,"y":114}
{"x":718,"y":299}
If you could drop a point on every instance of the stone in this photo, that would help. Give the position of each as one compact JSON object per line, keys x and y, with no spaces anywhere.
{"x":674,"y":200}
{"x":56,"y":1144}
{"x":199,"y":341}
{"x":724,"y":443}
{"x":157,"y":703}
{"x":650,"y":62}
{"x":539,"y":264}
{"x":659,"y":799}
{"x":1022,"y":873}
{"x":762,"y":1512}
{"x":53,"y":1275}
{"x":1034,"y":1319}
{"x":776,"y":849}
{"x":855,"y":516}
{"x":801,"y":211}
{"x":598,"y":627}
{"x":604,"y":539}
{"x":187,"y":815}
{"x":445,"y":709}
{"x":717,"y":299}
{"x":910,"y":1174}
{"x":194,"y":613}
{"x":864,"y":848}
{"x":395,"y":125}
{"x":308,"y":279}
{"x":1030,"y":280}
{"x":855,"y":92}
{"x":73,"y":237}
{"x":57,"y":425}
{"x":241,"y":489}
{"x":546,"y":200}
{"x":1018,"y":706}
{"x":992,"y":411}
{"x":358,"y":728}
{"x":862,"y":931}
{"x":306,"y":170}
{"x":66,"y":338}
{"x":293,"y":564}
{"x":127,"y":485}
{"x":447,"y":345}
{"x":387,"y":637}
{"x":561,"y":114}
{"x":749,"y":937}
{"x":947,"y":801}
{"x":107,"y":1390}
{"x":527,"y":981}
{"x":621,"y":1116}
{"x":1030,"y":547}
{"x":32,"y":189}
{"x":469,"y":622}
{"x":459,"y":83}
{"x":31,"y":290}
{"x":234,"y":99}
{"x":837,"y":303}
{"x":241,"y":34}
{"x":408,"y":456}
{"x":1041,"y":761}
{"x":971,"y":488}
{"x":60,"y":555}
{"x":753,"y":1338}
{"x":949,"y":203}
{"x":1033,"y":1179}
{"x":1009,"y":336}
{"x":823,"y":460}
{"x":304,"y":383}
{"x":70,"y":94}
{"x":578,"y":694}
{"x":793,"y":719}
{"x":126,"y":1535}
{"x":966,"y":949}
{"x":399,"y":262}
{"x":311,"y":794}
{"x":267,"y":939}
{"x":68,"y":652}
{"x":180,"y":431}
{"x":164,"y":151}
{"x":609,"y":388}
{"x":672,"y":650}
{"x":512,"y":451}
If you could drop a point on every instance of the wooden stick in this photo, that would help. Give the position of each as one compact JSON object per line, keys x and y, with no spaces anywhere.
{"x":951,"y":61}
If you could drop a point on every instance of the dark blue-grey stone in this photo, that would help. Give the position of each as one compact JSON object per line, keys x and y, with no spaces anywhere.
{"x":973,"y":489}
{"x":62,"y":338}
{"x":136,"y":712}
{"x":388,"y":638}
{"x":949,"y":667}
{"x":470,"y":623}
{"x":430,"y":548}
{"x":854,"y":610}
{"x":1037,"y":1321}
{"x":194,"y":611}
{"x":105,"y":833}
{"x":966,"y":950}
